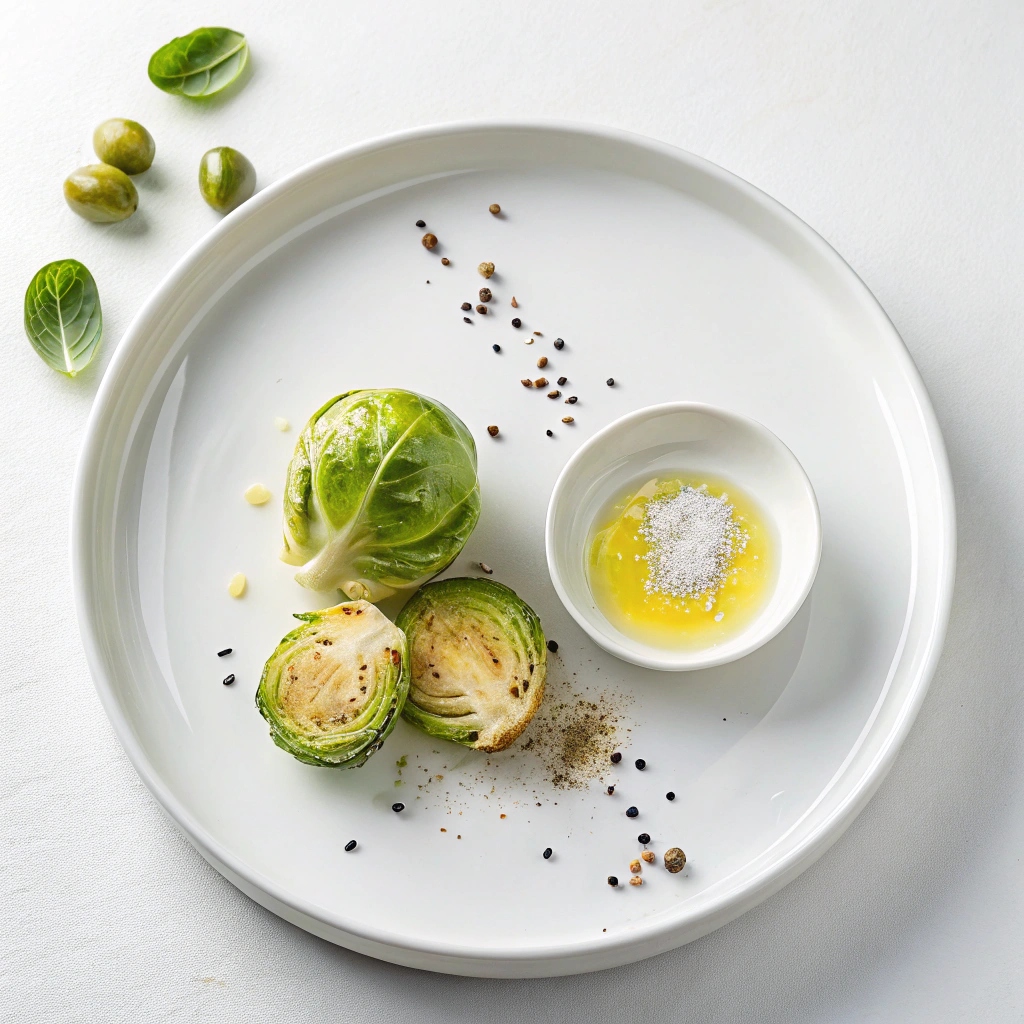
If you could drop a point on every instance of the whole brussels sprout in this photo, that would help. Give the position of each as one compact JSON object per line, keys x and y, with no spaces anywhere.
{"x":226,"y":178}
{"x":334,"y":688}
{"x":125,"y":145}
{"x":101,"y":193}
{"x":478,"y":660}
{"x":381,"y":494}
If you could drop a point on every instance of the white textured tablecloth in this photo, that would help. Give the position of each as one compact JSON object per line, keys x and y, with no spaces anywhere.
{"x":894,"y":128}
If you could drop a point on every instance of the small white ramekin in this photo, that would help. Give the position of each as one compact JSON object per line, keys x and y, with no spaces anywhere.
{"x":691,"y":438}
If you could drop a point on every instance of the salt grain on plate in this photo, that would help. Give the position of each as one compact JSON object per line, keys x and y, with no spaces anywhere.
{"x":693,"y":538}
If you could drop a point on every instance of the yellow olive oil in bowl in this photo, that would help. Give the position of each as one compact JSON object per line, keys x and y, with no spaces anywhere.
{"x":680,"y":562}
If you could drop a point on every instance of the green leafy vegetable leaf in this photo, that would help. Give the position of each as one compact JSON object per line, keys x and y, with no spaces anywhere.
{"x":200,"y":64}
{"x":62,"y":316}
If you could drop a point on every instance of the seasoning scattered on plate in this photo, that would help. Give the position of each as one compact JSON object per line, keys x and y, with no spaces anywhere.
{"x":559,"y":344}
{"x":613,"y":881}
{"x":553,"y":646}
{"x":229,"y":679}
{"x":648,"y":856}
{"x":224,"y":653}
{"x":640,"y":763}
{"x":547,"y":854}
{"x":257,"y":494}
{"x":516,"y":322}
{"x":445,"y":261}
{"x":610,"y":382}
{"x":421,"y":223}
{"x":429,"y":240}
{"x":497,"y":348}
{"x":494,"y":208}
{"x":237,"y":584}
{"x":675,"y":860}
{"x":631,"y":812}
{"x":616,"y":757}
{"x":398,"y":807}
{"x":484,"y":567}
{"x":485,"y":269}
{"x":644,"y":838}
{"x":493,"y":430}
{"x":350,"y":845}
{"x":466,"y":307}
{"x":636,"y":880}
{"x":670,"y":796}
{"x":635,"y":867}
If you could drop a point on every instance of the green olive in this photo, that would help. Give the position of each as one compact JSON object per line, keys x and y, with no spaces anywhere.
{"x":226,"y":178}
{"x":125,"y":145}
{"x":101,"y":193}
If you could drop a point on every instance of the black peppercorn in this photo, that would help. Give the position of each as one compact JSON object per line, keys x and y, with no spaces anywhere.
{"x":516,"y":322}
{"x":466,"y":307}
{"x":497,"y":348}
{"x":616,"y":757}
{"x":631,"y":812}
{"x":350,"y":846}
{"x":485,"y":295}
{"x":466,"y":320}
{"x":670,"y":796}
{"x":221,"y":654}
{"x":562,"y":381}
{"x":398,"y":807}
{"x":550,"y":433}
{"x":643,"y":838}
{"x":559,"y":343}
{"x":547,"y":853}
{"x":610,"y":382}
{"x":611,"y":790}
{"x":552,"y":646}
{"x":640,"y":763}
{"x":482,"y":309}
{"x":421,"y":223}
{"x":228,"y":680}
{"x":613,"y":881}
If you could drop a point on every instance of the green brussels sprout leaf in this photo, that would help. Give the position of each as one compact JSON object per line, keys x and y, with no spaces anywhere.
{"x":200,"y":64}
{"x":381,"y":494}
{"x":334,"y":688}
{"x":478,"y":660}
{"x":62,"y":316}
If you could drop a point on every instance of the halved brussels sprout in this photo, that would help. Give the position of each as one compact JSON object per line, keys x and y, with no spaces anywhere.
{"x":381,"y":494}
{"x":478,"y":662}
{"x":333,"y":689}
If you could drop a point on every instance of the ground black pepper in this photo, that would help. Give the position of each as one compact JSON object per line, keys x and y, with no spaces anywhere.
{"x":228,"y":680}
{"x":350,"y":846}
{"x":221,"y":654}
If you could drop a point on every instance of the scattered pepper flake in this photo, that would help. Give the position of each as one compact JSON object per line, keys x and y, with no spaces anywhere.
{"x":497,"y":348}
{"x":675,"y":860}
{"x":553,"y":646}
{"x":466,"y":307}
{"x":631,"y":812}
{"x":644,"y":838}
{"x":226,"y":651}
{"x":501,"y":815}
{"x":398,"y":807}
{"x":429,"y":240}
{"x":616,"y":757}
{"x":610,"y":382}
{"x":237,"y":584}
{"x":670,"y":796}
{"x":421,"y":223}
{"x":571,"y":400}
{"x":466,"y":320}
{"x":547,"y":854}
{"x":550,"y":433}
{"x":640,"y":763}
{"x":485,"y":269}
{"x":562,"y":381}
{"x":515,"y":305}
{"x":538,"y":334}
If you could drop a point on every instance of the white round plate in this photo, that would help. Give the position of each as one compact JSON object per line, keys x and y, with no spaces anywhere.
{"x":658,"y":269}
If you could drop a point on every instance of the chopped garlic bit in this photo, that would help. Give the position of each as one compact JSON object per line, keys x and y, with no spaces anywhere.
{"x":236,"y":588}
{"x":282,"y":424}
{"x":257,"y":495}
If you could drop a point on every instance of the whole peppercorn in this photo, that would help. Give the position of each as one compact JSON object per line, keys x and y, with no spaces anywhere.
{"x":643,"y":838}
{"x":350,"y":846}
{"x":482,"y":309}
{"x":485,"y":269}
{"x":516,"y":322}
{"x":540,"y":382}
{"x":421,"y":223}
{"x":494,"y":208}
{"x":675,"y":860}
{"x":542,"y":362}
{"x":497,"y":348}
{"x":636,"y":880}
{"x":613,"y":881}
{"x":550,"y":433}
{"x":429,"y":240}
{"x":670,"y":796}
{"x":554,"y":394}
{"x":635,"y":867}
{"x":485,"y":295}
{"x":466,"y":307}
{"x":398,"y":807}
{"x":562,"y":381}
{"x":466,"y":320}
{"x":553,"y":646}
{"x":631,"y":812}
{"x":547,"y":853}
{"x":640,"y":763}
{"x":526,"y":382}
{"x":492,"y":430}
{"x":647,"y":856}
{"x":559,"y":343}
{"x":571,"y":400}
{"x":610,"y":382}
{"x":445,"y":261}
{"x":568,"y":419}
{"x":611,"y":791}
{"x":616,"y":757}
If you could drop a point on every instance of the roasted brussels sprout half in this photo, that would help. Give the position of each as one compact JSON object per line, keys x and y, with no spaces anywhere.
{"x":381,"y":494}
{"x":334,"y":688}
{"x":478,"y":662}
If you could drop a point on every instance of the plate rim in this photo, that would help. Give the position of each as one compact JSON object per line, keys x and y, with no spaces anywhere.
{"x":653,"y":936}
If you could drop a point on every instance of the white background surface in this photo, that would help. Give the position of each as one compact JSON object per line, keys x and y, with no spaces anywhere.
{"x":894,"y":129}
